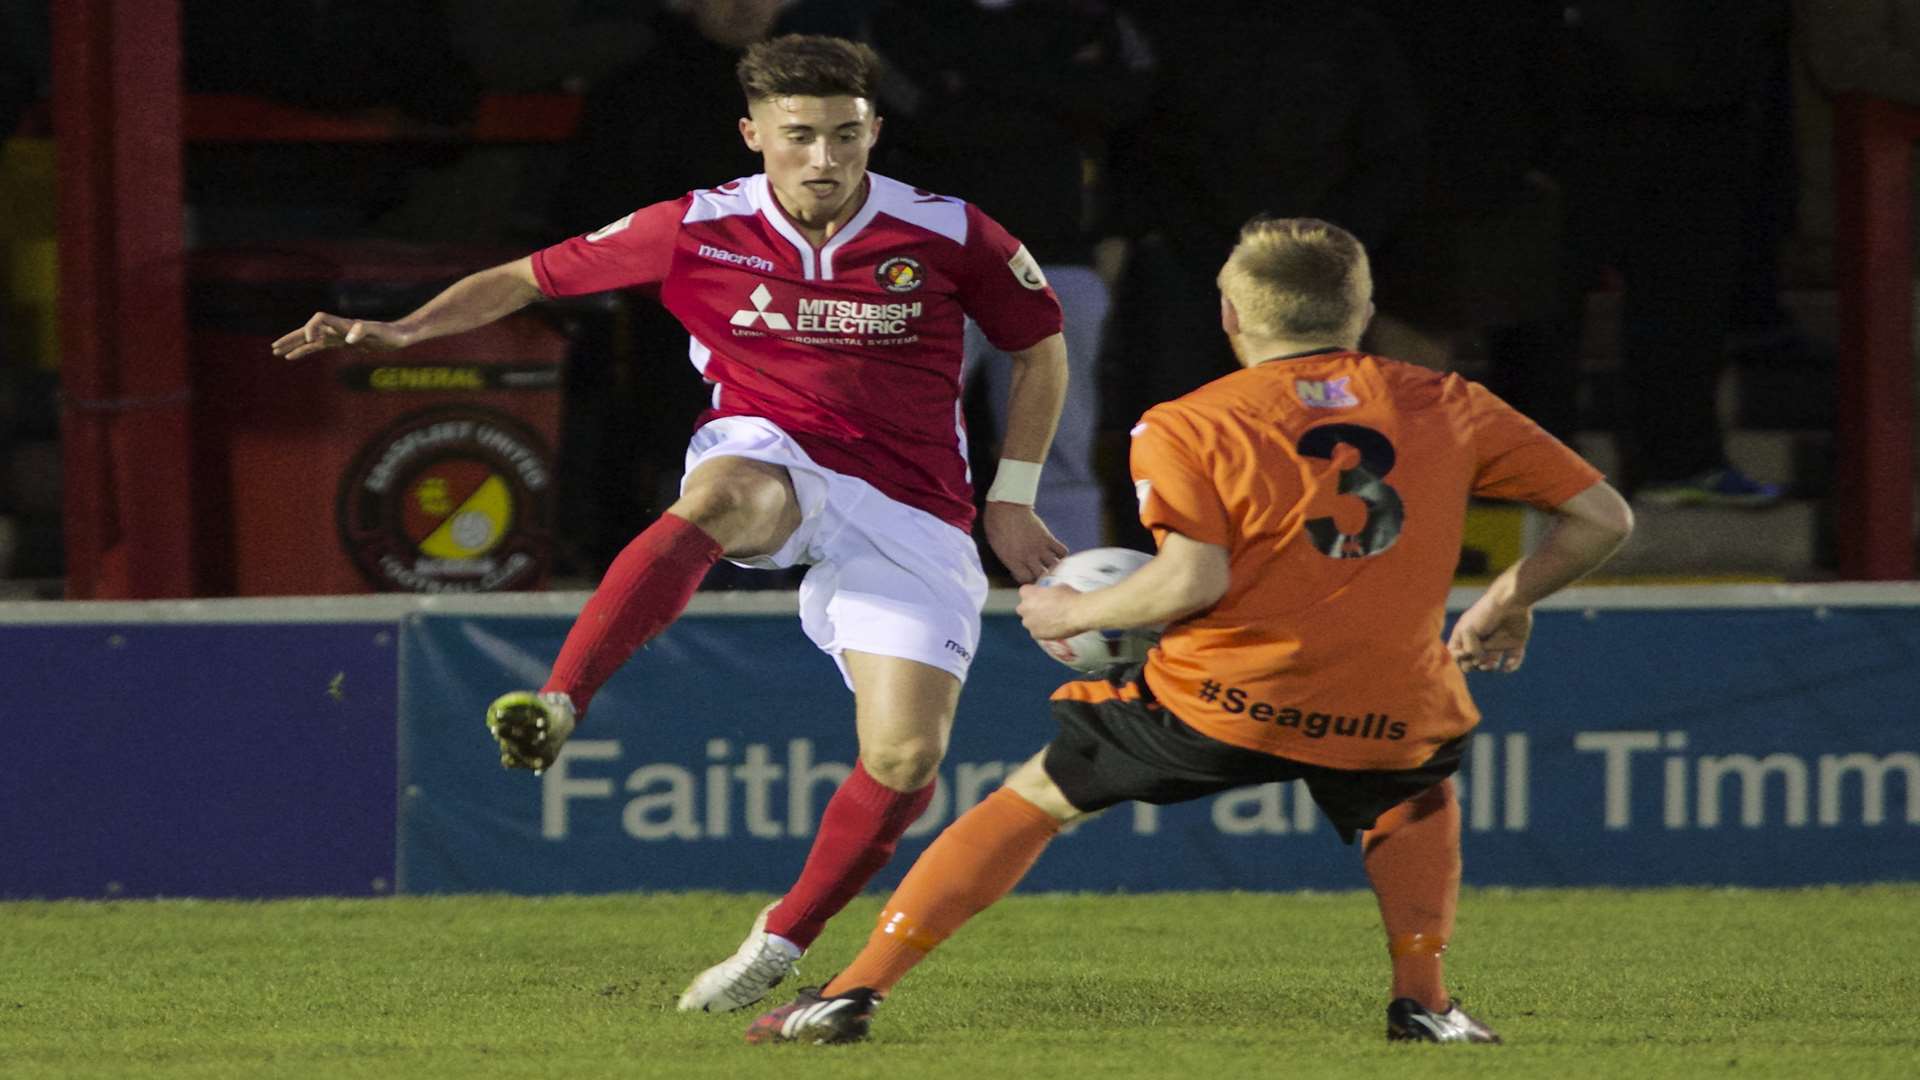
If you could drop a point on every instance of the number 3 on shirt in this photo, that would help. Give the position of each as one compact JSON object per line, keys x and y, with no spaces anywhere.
{"x":1365,"y":481}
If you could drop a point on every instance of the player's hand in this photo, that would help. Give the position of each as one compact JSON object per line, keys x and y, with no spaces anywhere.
{"x":325,"y":331}
{"x":1491,"y":636}
{"x":1047,"y":611}
{"x":1024,"y":544}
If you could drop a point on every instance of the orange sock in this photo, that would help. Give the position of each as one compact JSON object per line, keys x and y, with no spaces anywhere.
{"x":1412,"y":858}
{"x":974,"y":862}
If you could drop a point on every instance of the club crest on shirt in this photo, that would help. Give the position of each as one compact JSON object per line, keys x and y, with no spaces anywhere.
{"x":1325,"y":393}
{"x":901,"y":273}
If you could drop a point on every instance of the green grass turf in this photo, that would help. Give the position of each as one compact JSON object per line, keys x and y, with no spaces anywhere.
{"x":1661,"y":983}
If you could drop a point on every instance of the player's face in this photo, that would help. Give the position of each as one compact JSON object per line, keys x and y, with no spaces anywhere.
{"x":815,"y":150}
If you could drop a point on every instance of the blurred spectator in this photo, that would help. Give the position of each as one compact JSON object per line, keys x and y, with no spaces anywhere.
{"x":23,"y":57}
{"x":662,"y":125}
{"x":1010,"y":104}
{"x":1302,"y":109}
{"x":514,"y":47}
{"x":841,"y":18}
{"x":360,"y":56}
{"x":1653,"y":157}
{"x":1481,"y":256}
{"x":504,"y":192}
{"x":330,"y":54}
{"x":665,"y":123}
{"x":29,"y":424}
{"x":1786,"y":373}
{"x":1867,"y":47}
{"x":1767,"y":219}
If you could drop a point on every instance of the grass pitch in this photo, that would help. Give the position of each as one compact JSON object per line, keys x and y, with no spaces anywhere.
{"x":1662,"y":983}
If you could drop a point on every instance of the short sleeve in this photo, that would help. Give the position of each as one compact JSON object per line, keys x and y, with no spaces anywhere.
{"x":1176,"y":492}
{"x":633,"y":252}
{"x":1516,"y":459}
{"x":1003,"y":289}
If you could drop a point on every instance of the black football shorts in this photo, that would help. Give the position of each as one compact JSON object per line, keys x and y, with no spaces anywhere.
{"x":1125,"y":746}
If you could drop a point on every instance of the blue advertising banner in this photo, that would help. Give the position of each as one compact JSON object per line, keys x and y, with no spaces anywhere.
{"x":207,"y":759}
{"x":1769,"y":745}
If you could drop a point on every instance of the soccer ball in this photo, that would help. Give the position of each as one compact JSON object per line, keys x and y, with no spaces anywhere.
{"x":1093,"y":651}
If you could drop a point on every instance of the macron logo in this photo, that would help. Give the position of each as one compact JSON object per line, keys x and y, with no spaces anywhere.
{"x":761,"y":298}
{"x":751,"y":262}
{"x":1327,"y":394}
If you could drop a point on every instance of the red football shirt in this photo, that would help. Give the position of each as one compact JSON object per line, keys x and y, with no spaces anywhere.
{"x":852,"y":347}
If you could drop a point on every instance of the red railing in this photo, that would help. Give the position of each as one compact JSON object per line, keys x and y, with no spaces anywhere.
{"x":1873,"y":434}
{"x":242,"y":118}
{"x":236,"y":118}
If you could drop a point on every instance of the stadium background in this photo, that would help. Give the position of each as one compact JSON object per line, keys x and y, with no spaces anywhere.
{"x":180,"y":179}
{"x":1740,"y":734}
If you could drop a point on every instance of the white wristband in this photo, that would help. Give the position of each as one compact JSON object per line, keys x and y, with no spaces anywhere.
{"x":1015,"y":482}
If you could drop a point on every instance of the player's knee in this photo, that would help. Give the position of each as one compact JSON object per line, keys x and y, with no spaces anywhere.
{"x":908,"y":765}
{"x":729,"y":495}
{"x":1032,"y":783}
{"x":739,"y":506}
{"x":1435,"y":800}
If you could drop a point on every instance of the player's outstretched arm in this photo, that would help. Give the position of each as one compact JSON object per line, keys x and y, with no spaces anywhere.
{"x":1492,"y":634}
{"x":1185,"y":577}
{"x":1023,"y":543}
{"x":473,"y":301}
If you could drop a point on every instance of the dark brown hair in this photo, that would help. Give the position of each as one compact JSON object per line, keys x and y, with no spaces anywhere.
{"x":808,"y":65}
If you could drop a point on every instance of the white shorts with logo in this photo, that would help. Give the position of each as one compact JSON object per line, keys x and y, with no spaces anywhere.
{"x":886,"y":578}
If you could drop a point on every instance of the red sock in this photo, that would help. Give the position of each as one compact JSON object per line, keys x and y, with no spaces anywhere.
{"x":858,"y":832}
{"x":644,"y":590}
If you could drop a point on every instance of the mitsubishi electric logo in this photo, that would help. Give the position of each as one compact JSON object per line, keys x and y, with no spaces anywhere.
{"x":761,"y":298}
{"x":819,"y":321}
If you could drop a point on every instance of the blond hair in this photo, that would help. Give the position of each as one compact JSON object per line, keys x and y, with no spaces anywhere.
{"x":808,"y":65}
{"x":1297,"y":279}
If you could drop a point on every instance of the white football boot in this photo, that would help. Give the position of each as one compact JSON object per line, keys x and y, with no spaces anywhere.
{"x":1410,"y":1021}
{"x":761,"y":963}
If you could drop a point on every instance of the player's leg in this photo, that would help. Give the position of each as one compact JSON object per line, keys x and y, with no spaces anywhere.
{"x":1412,"y":858}
{"x":894,"y":597}
{"x":972,"y":863}
{"x":903,"y":711}
{"x":1114,"y":745}
{"x":729,"y":506}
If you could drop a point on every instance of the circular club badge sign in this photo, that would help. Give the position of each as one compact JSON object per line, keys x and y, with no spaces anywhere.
{"x":449,"y":500}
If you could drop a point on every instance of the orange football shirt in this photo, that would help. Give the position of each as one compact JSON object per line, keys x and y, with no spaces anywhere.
{"x":1338,"y":483}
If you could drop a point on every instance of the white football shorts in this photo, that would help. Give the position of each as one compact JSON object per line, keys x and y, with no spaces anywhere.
{"x":885,"y":577}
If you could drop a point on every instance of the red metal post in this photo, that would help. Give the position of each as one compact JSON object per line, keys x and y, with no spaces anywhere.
{"x":1874,"y":467}
{"x":124,"y":379}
